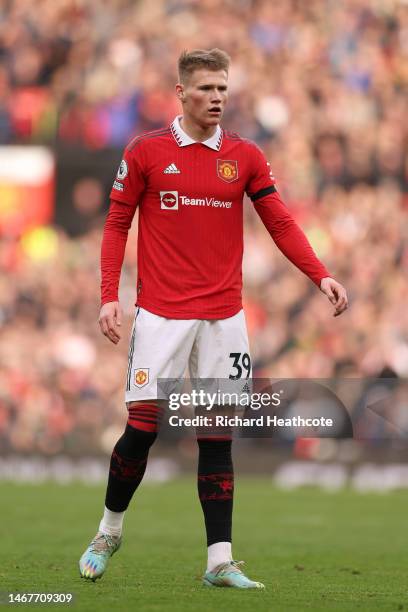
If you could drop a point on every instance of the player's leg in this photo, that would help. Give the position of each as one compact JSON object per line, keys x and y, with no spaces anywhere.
{"x":210,"y":360}
{"x":127,"y":467}
{"x":215,"y":485}
{"x":159,"y":348}
{"x":128,"y":463}
{"x":221,"y":351}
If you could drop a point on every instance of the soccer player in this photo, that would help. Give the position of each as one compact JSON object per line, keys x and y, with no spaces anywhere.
{"x":189,"y":181}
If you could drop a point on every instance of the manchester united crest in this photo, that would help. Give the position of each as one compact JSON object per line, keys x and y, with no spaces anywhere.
{"x":227,"y":170}
{"x":141,"y":377}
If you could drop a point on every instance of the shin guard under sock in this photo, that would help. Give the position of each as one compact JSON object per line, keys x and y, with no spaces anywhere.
{"x":127,"y":467}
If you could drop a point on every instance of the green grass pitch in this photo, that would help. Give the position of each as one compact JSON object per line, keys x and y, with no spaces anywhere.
{"x":313,"y":550}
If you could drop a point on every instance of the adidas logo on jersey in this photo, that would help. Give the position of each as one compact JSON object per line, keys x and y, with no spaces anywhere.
{"x":171,"y":169}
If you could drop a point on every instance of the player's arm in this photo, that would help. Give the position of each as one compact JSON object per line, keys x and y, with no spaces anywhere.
{"x":126,"y":191}
{"x":113,"y":248}
{"x":287,"y":235}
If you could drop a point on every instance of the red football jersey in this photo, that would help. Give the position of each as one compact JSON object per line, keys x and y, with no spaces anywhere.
{"x":190,"y":240}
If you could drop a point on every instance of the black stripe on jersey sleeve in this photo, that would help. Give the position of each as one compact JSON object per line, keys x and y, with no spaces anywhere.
{"x":263,"y":192}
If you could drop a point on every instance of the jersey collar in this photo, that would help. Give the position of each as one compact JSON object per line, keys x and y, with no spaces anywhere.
{"x":183,"y":139}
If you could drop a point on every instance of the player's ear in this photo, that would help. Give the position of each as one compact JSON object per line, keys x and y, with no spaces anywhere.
{"x":180,"y":92}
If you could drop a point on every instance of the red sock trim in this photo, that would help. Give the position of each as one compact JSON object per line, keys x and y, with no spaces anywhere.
{"x":146,"y":417}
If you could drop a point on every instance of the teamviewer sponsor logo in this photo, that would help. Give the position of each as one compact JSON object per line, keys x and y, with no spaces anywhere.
{"x":169,"y":200}
{"x":185,"y":201}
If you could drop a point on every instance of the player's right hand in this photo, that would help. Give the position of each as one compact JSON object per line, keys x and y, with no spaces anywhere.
{"x":110,"y":320}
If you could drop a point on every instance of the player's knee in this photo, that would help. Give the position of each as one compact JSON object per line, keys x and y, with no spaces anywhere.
{"x":214,"y":450}
{"x":134,"y":441}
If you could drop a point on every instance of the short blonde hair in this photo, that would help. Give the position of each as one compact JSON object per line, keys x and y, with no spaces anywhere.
{"x":189,"y":61}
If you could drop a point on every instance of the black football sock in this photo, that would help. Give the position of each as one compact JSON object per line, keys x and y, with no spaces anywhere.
{"x":215,"y":483}
{"x":127,"y":467}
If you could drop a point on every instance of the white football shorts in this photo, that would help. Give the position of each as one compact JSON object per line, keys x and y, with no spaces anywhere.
{"x":162,"y":348}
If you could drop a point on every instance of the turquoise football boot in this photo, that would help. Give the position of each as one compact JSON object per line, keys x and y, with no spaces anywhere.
{"x":230,"y":575}
{"x":95,"y":559}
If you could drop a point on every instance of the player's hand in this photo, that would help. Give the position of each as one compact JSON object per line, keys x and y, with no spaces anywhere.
{"x":110,"y":320}
{"x":336,"y":294}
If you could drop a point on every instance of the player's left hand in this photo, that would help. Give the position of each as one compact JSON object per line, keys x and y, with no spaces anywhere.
{"x":336,"y":294}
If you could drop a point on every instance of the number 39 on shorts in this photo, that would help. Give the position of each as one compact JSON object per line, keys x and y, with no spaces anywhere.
{"x":241,"y":364}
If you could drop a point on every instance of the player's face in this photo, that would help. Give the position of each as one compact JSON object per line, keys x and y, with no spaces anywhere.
{"x":204,"y":96}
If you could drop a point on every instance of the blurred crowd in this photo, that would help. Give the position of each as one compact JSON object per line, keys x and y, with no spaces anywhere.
{"x":320,"y":85}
